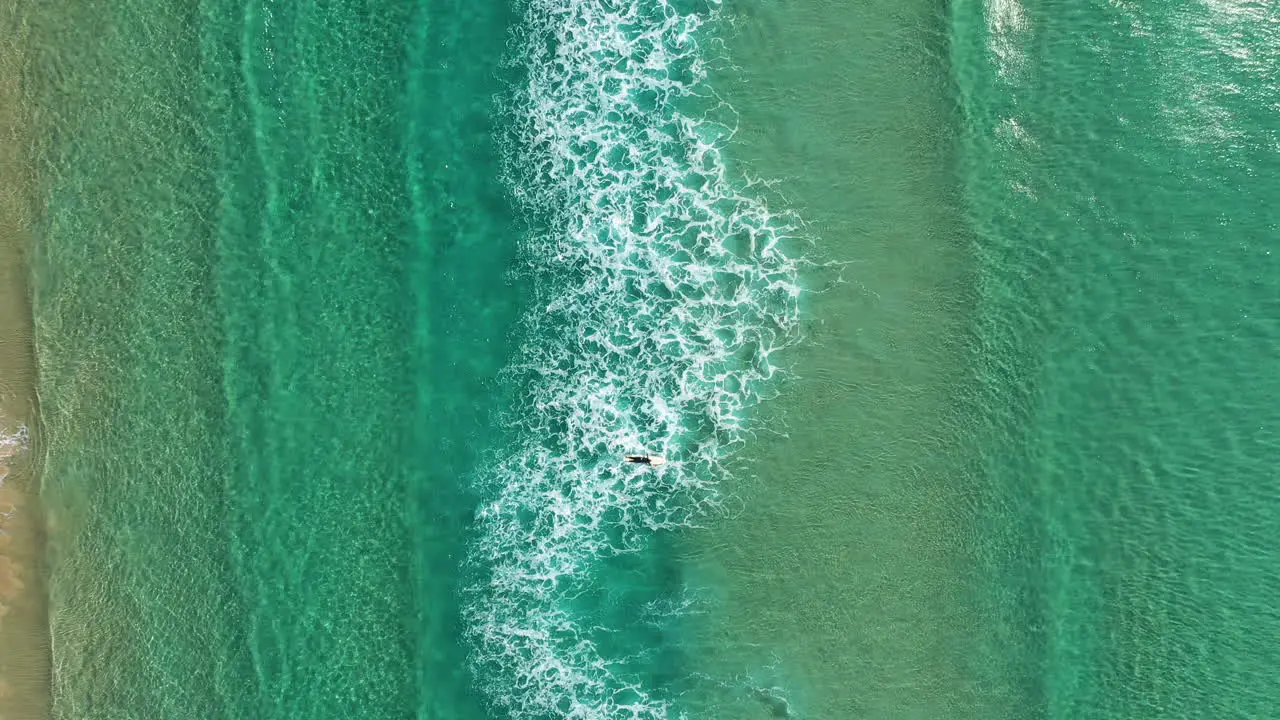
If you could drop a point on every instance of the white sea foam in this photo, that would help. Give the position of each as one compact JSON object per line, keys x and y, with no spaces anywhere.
{"x":665,"y":291}
{"x":11,"y":444}
{"x":14,"y":442}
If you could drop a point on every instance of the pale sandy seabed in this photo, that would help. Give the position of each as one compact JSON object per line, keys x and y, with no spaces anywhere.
{"x":24,"y":634}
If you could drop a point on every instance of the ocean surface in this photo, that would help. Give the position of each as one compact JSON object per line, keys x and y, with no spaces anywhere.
{"x":955,"y":322}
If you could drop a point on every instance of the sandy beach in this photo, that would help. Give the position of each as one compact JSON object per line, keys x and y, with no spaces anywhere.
{"x":24,"y":636}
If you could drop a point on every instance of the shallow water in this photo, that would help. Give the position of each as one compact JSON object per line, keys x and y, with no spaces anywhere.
{"x":844,"y":581}
{"x":253,"y":459}
{"x":954,"y":323}
{"x":24,"y":638}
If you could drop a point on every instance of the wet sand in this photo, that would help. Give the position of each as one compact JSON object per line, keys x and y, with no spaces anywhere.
{"x":24,"y":627}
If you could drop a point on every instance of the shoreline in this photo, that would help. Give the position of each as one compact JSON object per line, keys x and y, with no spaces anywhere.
{"x":25,"y":651}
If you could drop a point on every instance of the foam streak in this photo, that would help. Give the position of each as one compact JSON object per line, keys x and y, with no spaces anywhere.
{"x":665,"y":290}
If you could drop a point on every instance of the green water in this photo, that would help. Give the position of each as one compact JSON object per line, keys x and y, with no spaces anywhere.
{"x":264,"y":374}
{"x":1128,"y":284}
{"x":337,"y":312}
{"x":1030,"y":477}
{"x":845,"y":582}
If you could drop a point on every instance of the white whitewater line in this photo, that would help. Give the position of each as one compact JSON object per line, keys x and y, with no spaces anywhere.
{"x":1006,"y":25}
{"x":664,"y":291}
{"x":11,"y":445}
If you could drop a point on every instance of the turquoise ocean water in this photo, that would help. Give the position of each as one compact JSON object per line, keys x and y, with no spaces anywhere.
{"x":346,"y":311}
{"x":1128,"y":281}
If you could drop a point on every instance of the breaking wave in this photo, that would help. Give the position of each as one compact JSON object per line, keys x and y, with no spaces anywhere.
{"x":663,"y":291}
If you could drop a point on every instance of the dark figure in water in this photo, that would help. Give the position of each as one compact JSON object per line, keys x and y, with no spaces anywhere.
{"x":778,"y":706}
{"x":645,"y":459}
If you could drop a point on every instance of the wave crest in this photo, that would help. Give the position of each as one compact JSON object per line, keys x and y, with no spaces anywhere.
{"x":664,"y":290}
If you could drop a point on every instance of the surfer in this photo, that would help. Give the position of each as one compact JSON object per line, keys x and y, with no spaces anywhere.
{"x":777,"y":705}
{"x":645,"y":459}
